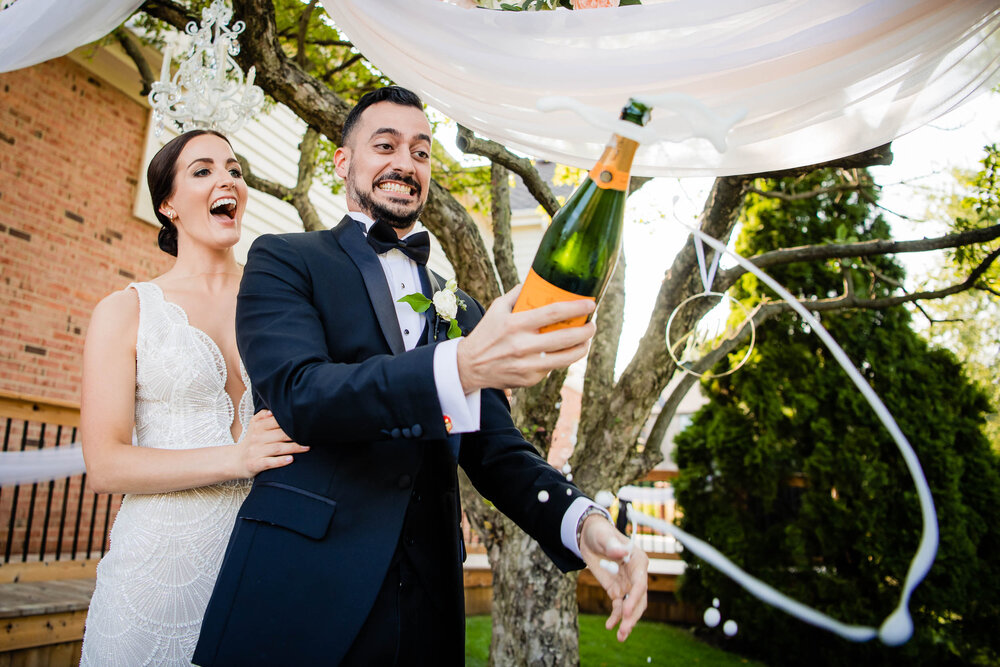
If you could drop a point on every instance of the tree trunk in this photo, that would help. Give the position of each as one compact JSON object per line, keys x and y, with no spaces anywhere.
{"x":534,"y":605}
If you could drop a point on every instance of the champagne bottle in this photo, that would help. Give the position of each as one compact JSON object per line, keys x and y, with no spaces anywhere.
{"x":579,"y":250}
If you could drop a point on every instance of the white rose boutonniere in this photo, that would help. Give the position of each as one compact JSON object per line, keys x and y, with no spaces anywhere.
{"x":446,"y":304}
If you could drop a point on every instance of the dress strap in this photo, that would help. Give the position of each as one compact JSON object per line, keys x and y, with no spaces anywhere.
{"x":151,"y":308}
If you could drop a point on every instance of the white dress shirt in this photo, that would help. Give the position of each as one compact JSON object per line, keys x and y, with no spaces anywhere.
{"x":402,"y":275}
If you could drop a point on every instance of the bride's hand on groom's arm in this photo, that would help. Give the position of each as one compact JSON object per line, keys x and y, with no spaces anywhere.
{"x":506,"y":349}
{"x":264,"y":446}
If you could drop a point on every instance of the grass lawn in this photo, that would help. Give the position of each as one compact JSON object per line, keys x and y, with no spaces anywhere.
{"x":651,"y":643}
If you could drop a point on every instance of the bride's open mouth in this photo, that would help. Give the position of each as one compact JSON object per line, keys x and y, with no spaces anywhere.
{"x":225,"y":209}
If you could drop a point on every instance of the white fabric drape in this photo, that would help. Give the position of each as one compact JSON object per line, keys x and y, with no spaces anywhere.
{"x":41,"y":465}
{"x":33,"y":31}
{"x":818,"y":79}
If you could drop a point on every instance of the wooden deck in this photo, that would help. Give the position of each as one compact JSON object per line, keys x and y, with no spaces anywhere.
{"x":41,"y":621}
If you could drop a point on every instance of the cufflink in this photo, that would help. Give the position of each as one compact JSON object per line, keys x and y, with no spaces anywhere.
{"x":447,"y":424}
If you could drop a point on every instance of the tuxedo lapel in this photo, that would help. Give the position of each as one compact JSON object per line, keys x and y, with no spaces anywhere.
{"x":354,"y":244}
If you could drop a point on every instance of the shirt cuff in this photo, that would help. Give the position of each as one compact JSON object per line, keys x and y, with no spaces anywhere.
{"x":461,"y":408}
{"x":567,"y":530}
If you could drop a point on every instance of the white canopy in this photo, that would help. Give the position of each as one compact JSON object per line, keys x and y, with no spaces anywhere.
{"x":818,"y":79}
{"x":33,"y":31}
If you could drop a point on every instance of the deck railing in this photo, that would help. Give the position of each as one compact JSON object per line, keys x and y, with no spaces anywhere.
{"x":61,"y":519}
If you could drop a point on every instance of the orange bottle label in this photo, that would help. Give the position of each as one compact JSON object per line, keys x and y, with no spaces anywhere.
{"x":612,"y":170}
{"x":538,"y":292}
{"x":608,"y":177}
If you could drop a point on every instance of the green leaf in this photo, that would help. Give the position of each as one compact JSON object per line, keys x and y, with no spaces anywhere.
{"x":417,"y":301}
{"x":454,"y":331}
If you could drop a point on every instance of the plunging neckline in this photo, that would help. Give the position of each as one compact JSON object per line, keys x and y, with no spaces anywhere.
{"x":214,"y":348}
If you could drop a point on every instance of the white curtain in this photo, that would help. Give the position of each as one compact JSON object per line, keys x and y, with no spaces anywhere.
{"x":818,"y":79}
{"x":33,"y":31}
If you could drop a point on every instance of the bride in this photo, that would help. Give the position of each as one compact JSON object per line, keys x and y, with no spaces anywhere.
{"x":161,"y":357}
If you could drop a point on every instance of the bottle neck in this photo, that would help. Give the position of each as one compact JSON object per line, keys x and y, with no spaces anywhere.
{"x":612,"y":170}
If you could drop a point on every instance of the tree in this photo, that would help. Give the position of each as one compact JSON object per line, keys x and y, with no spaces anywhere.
{"x":306,"y":64}
{"x":788,"y":469}
{"x":968,"y":323}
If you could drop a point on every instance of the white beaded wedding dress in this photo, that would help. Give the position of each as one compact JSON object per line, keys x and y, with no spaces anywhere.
{"x":166,"y":548}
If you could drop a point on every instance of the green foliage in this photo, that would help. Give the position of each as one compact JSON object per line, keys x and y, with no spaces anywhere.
{"x":968,"y":323}
{"x":662,"y":644}
{"x":788,"y":471}
{"x":323,"y":51}
{"x":981,"y":208}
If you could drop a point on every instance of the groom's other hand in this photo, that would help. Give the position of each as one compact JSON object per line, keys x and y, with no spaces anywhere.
{"x":626,"y":581}
{"x":506,"y":349}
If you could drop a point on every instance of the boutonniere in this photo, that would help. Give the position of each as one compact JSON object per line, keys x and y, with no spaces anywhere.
{"x":446,"y":304}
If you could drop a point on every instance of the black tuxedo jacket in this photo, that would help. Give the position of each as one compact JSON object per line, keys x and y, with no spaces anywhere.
{"x":318,"y":333}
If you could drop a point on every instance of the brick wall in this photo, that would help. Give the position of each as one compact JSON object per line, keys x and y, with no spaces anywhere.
{"x":70,"y":159}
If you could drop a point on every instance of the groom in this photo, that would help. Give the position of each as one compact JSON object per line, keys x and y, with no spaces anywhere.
{"x":353,"y":554}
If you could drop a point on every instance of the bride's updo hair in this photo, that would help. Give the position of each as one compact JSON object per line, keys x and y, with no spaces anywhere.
{"x":160,"y":178}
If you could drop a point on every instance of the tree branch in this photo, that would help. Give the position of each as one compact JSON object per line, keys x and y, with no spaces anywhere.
{"x":503,"y":247}
{"x":297,"y":196}
{"x":469,"y":143}
{"x":987,"y":288}
{"x":880,"y":155}
{"x":171,"y":13}
{"x":300,"y":54}
{"x":612,"y":435}
{"x":797,"y":196}
{"x":308,"y":150}
{"x":276,"y":190}
{"x":134,"y":51}
{"x":327,"y":75}
{"x":785,"y":256}
{"x":599,"y":380}
{"x":455,"y":229}
{"x":851,"y":300}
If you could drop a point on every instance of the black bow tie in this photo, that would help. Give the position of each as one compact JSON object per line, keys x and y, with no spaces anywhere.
{"x":383,"y":238}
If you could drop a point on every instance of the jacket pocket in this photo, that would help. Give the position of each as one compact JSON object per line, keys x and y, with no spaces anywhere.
{"x":302,"y":511}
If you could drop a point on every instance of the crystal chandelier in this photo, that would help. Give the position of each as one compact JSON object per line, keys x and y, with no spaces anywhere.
{"x":208,"y":90}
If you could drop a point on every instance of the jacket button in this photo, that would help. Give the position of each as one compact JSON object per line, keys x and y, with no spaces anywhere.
{"x":406,"y":433}
{"x":416,"y":430}
{"x":404,"y":481}
{"x":395,"y":433}
{"x":410,"y":541}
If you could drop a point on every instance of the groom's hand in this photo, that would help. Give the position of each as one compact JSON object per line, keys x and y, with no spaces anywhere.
{"x":621,"y":571}
{"x":507,"y":350}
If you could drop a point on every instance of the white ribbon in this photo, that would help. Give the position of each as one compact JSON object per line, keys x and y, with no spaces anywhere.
{"x":41,"y":465}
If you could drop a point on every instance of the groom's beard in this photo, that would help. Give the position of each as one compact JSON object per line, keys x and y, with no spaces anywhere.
{"x":398,"y":216}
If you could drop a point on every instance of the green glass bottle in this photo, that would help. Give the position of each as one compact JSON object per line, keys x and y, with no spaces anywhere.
{"x":579,"y":250}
